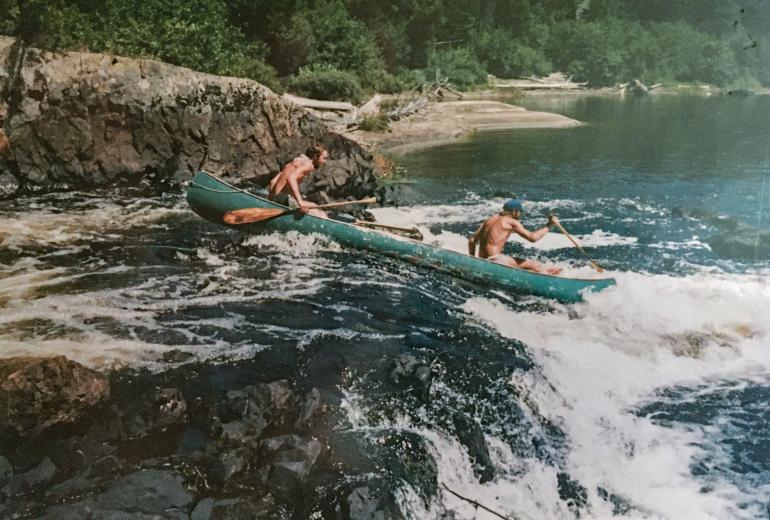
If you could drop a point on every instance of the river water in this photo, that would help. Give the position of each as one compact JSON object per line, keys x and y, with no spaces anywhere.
{"x":648,"y":400}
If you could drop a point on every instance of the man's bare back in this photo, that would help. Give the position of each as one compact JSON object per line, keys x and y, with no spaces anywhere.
{"x":287,"y":181}
{"x":493,"y":233}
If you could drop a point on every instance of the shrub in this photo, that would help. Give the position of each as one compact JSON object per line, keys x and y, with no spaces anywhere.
{"x":411,"y":78}
{"x":460,"y":65}
{"x":325,"y":82}
{"x":376,"y":123}
{"x":382,"y":81}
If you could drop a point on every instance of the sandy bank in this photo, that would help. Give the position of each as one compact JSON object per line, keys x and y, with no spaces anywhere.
{"x":451,"y":121}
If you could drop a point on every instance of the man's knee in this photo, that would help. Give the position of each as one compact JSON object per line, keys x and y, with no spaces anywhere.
{"x":530,"y":265}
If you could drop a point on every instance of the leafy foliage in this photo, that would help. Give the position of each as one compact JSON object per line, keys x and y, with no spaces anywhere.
{"x":193,"y":34}
{"x":389,"y":44}
{"x":506,"y":57}
{"x":460,"y":65}
{"x":325,"y":82}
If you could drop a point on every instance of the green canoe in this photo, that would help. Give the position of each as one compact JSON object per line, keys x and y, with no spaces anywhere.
{"x":211,"y":198}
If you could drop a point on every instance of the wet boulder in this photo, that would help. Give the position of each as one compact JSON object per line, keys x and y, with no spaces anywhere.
{"x":369,"y":499}
{"x":203,"y":510}
{"x":244,"y":414}
{"x":30,"y":480}
{"x":80,"y":484}
{"x":265,"y":507}
{"x":470,"y":435}
{"x":223,"y":464}
{"x":364,"y":503}
{"x":143,"y":495}
{"x":37,"y":393}
{"x":177,"y":356}
{"x":291,"y":460}
{"x":311,"y":408}
{"x":155,"y":411}
{"x":414,"y":374}
{"x":87,"y":462}
{"x":147,"y":491}
{"x":6,"y":470}
{"x":277,"y":398}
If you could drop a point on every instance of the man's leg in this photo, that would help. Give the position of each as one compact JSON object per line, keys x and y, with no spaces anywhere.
{"x":318,"y":213}
{"x":531,"y":265}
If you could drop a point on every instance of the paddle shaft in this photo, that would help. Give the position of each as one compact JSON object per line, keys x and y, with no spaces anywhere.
{"x":252,"y":215}
{"x":385,"y":226}
{"x":594,"y":264}
{"x":412,"y":233}
{"x":370,"y":200}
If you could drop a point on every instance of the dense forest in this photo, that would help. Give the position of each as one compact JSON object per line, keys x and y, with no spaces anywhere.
{"x":341,"y":49}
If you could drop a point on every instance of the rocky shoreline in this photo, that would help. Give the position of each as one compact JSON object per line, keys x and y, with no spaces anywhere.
{"x":453,"y":121}
{"x":84,"y":120}
{"x":239,"y":440}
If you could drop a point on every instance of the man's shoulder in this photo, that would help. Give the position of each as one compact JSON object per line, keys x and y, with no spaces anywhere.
{"x":512,"y":222}
{"x":302,"y":162}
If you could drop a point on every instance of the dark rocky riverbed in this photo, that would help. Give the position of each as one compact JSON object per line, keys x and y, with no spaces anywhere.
{"x":261,"y":438}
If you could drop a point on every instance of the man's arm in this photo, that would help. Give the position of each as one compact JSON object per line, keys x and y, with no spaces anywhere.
{"x":473,"y":240}
{"x":533,"y":236}
{"x":294,"y":187}
{"x":292,"y":180}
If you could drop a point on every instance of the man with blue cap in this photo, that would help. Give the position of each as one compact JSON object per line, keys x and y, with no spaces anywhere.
{"x":492,"y":235}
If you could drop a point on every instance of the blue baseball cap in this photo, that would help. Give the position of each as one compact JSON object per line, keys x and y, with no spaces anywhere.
{"x":514,"y":204}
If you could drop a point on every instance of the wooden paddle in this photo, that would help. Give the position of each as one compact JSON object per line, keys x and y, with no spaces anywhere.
{"x":251,"y":215}
{"x":594,"y":264}
{"x":411,"y":232}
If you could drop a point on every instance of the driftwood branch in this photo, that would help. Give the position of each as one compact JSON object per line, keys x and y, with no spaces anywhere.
{"x":477,"y":504}
{"x":555,"y":81}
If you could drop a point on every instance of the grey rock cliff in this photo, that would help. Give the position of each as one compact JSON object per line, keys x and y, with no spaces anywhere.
{"x":84,"y":119}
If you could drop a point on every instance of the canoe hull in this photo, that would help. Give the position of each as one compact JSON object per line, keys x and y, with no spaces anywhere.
{"x":211,"y":198}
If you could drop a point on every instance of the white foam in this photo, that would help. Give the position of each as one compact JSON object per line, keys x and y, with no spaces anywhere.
{"x":692,"y":243}
{"x":298,"y":244}
{"x":72,"y":324}
{"x":648,"y":333}
{"x":470,"y":211}
{"x":98,"y":219}
{"x":425,"y":217}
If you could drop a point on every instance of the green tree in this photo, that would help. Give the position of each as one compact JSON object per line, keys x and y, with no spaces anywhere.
{"x":291,"y":43}
{"x":343,"y":42}
{"x":596,"y":52}
{"x":507,"y":57}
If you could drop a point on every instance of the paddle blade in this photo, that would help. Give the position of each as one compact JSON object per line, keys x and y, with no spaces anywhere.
{"x":251,"y":215}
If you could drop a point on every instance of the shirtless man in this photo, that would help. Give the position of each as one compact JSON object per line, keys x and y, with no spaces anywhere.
{"x":287,"y":181}
{"x":494,"y":232}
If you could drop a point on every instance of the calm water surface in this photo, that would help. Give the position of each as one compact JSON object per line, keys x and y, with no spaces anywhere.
{"x":649,"y":400}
